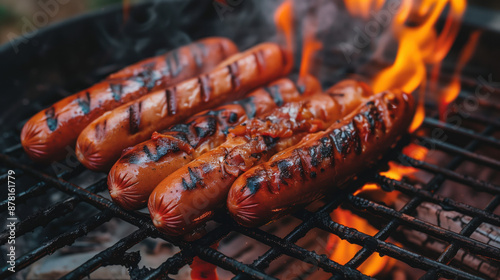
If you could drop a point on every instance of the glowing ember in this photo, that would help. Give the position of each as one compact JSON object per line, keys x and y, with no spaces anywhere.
{"x":343,"y":251}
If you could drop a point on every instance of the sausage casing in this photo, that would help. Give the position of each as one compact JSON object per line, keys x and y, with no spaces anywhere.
{"x":46,"y":136}
{"x":139,"y":170}
{"x":189,"y":196}
{"x":101,"y":143}
{"x":322,"y":162}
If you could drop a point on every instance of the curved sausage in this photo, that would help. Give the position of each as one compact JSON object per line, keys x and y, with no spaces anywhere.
{"x":323,"y":162}
{"x":189,"y":196}
{"x":139,"y":170}
{"x":101,"y":143}
{"x":47,"y":134}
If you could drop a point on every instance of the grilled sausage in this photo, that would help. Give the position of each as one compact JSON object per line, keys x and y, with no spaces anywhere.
{"x":189,"y":196}
{"x":47,"y":134}
{"x":101,"y":143}
{"x":139,"y":170}
{"x":322,"y":162}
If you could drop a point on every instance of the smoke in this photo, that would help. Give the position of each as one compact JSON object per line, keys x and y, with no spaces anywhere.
{"x":349,"y":42}
{"x":153,"y":27}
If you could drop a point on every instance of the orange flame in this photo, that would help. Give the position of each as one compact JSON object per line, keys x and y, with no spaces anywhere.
{"x":311,"y":46}
{"x":397,"y":171}
{"x":451,"y":92}
{"x":419,"y":117}
{"x":362,"y":8}
{"x":343,"y":251}
{"x":419,"y":46}
{"x":283,"y":18}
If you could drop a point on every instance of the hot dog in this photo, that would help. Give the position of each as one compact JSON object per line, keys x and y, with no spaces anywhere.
{"x":322,"y":162}
{"x":189,"y":196}
{"x":139,"y":170}
{"x":101,"y":143}
{"x":47,"y":134}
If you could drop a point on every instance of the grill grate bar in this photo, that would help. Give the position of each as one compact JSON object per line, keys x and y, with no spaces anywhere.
{"x":47,"y":215}
{"x":113,"y":252}
{"x":297,"y":252}
{"x":434,"y":184}
{"x":200,"y":248}
{"x":446,"y":203}
{"x":483,"y":102}
{"x":37,"y":189}
{"x":59,"y":242}
{"x":449,"y":174}
{"x":223,"y":261}
{"x":40,"y":187}
{"x":13,"y":148}
{"x":482,"y":119}
{"x":373,"y":244}
{"x":210,"y":238}
{"x":453,"y":248}
{"x":298,"y":232}
{"x":425,"y":227}
{"x":207,"y":240}
{"x":178,"y":260}
{"x":463,"y":131}
{"x":4,"y":177}
{"x":477,"y":158}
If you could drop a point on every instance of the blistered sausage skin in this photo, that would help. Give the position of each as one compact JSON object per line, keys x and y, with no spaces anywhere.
{"x":47,"y":135}
{"x":189,"y":196}
{"x":139,"y":170}
{"x":101,"y":143}
{"x":322,"y":162}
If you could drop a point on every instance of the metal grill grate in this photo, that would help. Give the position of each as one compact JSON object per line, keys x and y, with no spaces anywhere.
{"x":440,"y":267}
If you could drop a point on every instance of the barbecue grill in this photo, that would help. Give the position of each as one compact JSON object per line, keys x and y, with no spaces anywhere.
{"x":45,"y":69}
